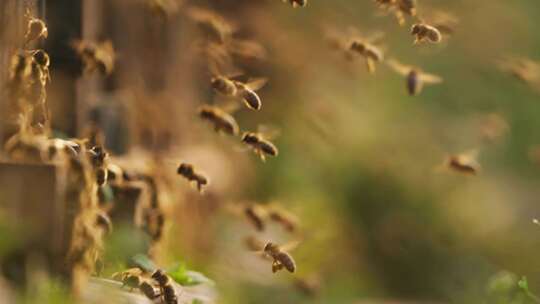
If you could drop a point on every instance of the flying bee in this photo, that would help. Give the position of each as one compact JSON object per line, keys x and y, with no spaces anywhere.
{"x":215,"y":26}
{"x":415,"y":77}
{"x":98,"y":157}
{"x":253,"y":243}
{"x":222,"y":121}
{"x":96,"y":56}
{"x":281,"y":258}
{"x":167,"y":289}
{"x":284,"y":218}
{"x":297,"y":3}
{"x":407,"y":6}
{"x":465,"y":163}
{"x":443,"y":21}
{"x":40,"y":66}
{"x":36,"y":29}
{"x":260,"y":145}
{"x":524,"y":69}
{"x":104,"y":221}
{"x":256,"y":214}
{"x":423,"y":31}
{"x":247,"y":92}
{"x":366,"y":48}
{"x":187,"y":171}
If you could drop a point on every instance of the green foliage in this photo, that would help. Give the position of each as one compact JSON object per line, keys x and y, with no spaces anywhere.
{"x":186,"y":277}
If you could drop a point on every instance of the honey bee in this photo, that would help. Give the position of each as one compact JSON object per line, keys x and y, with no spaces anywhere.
{"x":310,"y":285}
{"x":214,"y":25}
{"x":423,"y":31}
{"x":465,"y":163}
{"x":167,"y":289}
{"x":223,"y":121}
{"x":281,"y":258}
{"x":524,"y":69}
{"x":414,"y":76}
{"x":366,"y":48}
{"x":149,"y":290}
{"x":260,"y":145}
{"x":284,"y":218}
{"x":253,"y":243}
{"x":36,"y":29}
{"x":131,"y":278}
{"x":407,"y":6}
{"x":297,"y":3}
{"x":40,"y":66}
{"x":96,"y":56}
{"x":245,"y":91}
{"x":98,"y":156}
{"x":187,"y":171}
{"x":104,"y":221}
{"x":256,"y":214}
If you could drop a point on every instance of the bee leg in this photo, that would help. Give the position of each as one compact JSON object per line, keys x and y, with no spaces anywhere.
{"x":370,"y":65}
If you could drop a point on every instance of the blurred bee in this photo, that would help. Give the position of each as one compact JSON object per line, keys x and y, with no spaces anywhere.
{"x":247,"y":92}
{"x":310,"y":286}
{"x":98,"y":156}
{"x":524,"y":69}
{"x":167,"y":289}
{"x":415,"y":77}
{"x":281,"y":258}
{"x":246,"y":49}
{"x":163,"y":8}
{"x":408,"y":7}
{"x":222,"y":121}
{"x":443,"y":21}
{"x":366,"y":48}
{"x":104,"y":221}
{"x":253,"y":243}
{"x":131,"y":278}
{"x":493,"y":126}
{"x":465,"y":163}
{"x":216,"y":27}
{"x":40,"y":66}
{"x":187,"y":171}
{"x":96,"y":56}
{"x":260,"y":145}
{"x":36,"y":29}
{"x":423,"y":31}
{"x":256,"y":214}
{"x":297,"y":3}
{"x":284,"y":218}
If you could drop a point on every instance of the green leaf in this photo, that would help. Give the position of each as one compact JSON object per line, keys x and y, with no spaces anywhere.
{"x":523,"y":284}
{"x":181,"y":275}
{"x":143,"y":261}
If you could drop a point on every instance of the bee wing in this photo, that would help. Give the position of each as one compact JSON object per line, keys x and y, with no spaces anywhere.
{"x":269,"y":131}
{"x":431,"y":78}
{"x":290,"y":246}
{"x":398,"y":67}
{"x":256,"y":83}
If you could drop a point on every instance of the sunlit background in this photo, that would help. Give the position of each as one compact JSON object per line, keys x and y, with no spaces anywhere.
{"x":361,"y":163}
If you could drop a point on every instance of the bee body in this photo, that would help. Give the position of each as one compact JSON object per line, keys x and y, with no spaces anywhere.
{"x":281,"y":258}
{"x":223,"y":122}
{"x":224,"y":85}
{"x":260,"y":145}
{"x":414,"y":83}
{"x":423,"y":32}
{"x":187,"y":171}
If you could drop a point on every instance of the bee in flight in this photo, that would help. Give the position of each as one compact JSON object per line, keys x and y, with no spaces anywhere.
{"x":36,"y":29}
{"x":96,"y":56}
{"x":243,"y":90}
{"x":415,"y":77}
{"x":399,"y":8}
{"x":465,"y":163}
{"x":222,"y":121}
{"x":365,"y":46}
{"x":425,"y":32}
{"x":187,"y":171}
{"x":260,"y":145}
{"x":297,"y":3}
{"x":281,"y":258}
